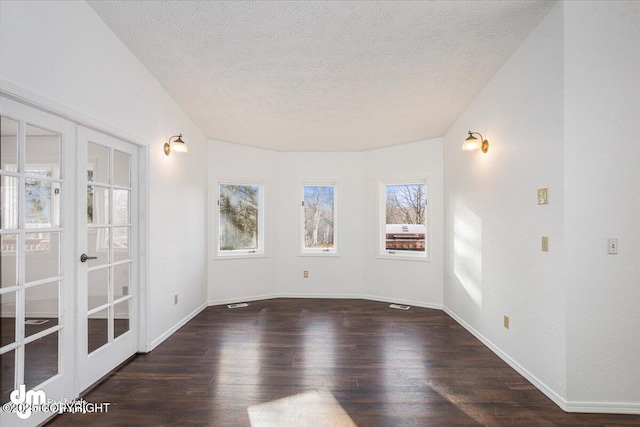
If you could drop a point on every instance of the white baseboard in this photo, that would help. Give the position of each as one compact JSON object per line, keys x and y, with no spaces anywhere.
{"x":319,"y":296}
{"x":604,"y":408}
{"x":241,"y":299}
{"x":555,"y":397}
{"x":402,"y":301}
{"x":567,"y":406}
{"x":283,"y":295}
{"x":177,"y":326}
{"x":327,"y":296}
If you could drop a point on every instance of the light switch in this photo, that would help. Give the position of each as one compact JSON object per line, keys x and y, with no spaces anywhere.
{"x":545,"y":244}
{"x":613,"y":246}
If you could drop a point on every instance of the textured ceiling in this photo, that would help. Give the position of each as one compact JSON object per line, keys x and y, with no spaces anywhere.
{"x":322,"y":76}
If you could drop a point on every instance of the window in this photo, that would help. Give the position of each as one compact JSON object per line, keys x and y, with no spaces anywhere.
{"x":241,"y":213}
{"x":319,"y":226}
{"x":403,"y":219}
{"x":41,"y":205}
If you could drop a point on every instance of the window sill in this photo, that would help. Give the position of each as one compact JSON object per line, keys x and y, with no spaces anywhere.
{"x":399,"y":257}
{"x":219,"y":257}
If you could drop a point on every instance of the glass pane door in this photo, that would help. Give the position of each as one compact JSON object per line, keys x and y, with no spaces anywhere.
{"x":106,"y":236}
{"x":36,"y":205}
{"x":31,"y":270}
{"x":108,"y":229}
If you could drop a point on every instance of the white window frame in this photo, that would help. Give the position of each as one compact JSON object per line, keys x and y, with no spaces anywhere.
{"x":304,"y":251}
{"x":9,"y":208}
{"x":385,"y":253}
{"x":260,"y":251}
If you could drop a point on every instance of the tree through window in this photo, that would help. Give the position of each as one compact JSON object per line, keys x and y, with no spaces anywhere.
{"x":240,"y":225}
{"x":319,"y":214}
{"x":405,"y":213}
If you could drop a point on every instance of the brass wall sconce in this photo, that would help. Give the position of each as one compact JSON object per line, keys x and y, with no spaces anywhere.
{"x":473,"y":143}
{"x":177,"y":145}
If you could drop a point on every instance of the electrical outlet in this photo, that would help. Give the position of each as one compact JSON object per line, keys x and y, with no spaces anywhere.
{"x":175,"y":299}
{"x":305,"y":274}
{"x":545,"y":244}
{"x":506,"y":321}
{"x":543,"y":196}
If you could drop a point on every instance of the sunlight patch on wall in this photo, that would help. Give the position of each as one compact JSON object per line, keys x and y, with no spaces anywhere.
{"x":467,"y":251}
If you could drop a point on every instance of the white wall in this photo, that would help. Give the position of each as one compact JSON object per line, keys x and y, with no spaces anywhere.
{"x":233,"y":280}
{"x":328,"y":276}
{"x":562,"y":113}
{"x":62,"y":53}
{"x":412,"y":282}
{"x":356,"y":272}
{"x":494,"y":265}
{"x":602,"y":154}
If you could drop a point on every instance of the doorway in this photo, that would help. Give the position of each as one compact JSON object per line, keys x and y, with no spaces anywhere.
{"x":108,"y":269}
{"x":69,"y":255}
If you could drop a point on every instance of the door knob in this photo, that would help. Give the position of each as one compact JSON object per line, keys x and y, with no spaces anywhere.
{"x":85,"y":258}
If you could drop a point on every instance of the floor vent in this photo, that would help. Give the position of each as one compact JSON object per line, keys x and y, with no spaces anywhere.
{"x":35,"y":321}
{"x":238,"y":305}
{"x":400,"y":306}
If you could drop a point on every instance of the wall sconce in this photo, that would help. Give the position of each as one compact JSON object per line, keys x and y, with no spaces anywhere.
{"x":177,"y":145}
{"x":473,"y":143}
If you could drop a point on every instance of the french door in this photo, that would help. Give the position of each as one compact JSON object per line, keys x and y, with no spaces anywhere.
{"x":37,"y":230}
{"x":68,"y":255}
{"x":108,"y":268}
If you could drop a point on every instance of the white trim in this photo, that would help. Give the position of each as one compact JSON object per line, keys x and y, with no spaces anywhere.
{"x":156,"y":342}
{"x":242,"y":299}
{"x":567,"y":406}
{"x":239,"y":255}
{"x":412,"y":303}
{"x":603,"y":408}
{"x":403,"y":257}
{"x":144,"y":263}
{"x":325,"y":296}
{"x":546,"y":390}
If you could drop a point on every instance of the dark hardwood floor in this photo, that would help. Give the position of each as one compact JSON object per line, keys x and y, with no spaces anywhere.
{"x":41,"y":355}
{"x":384,"y":367}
